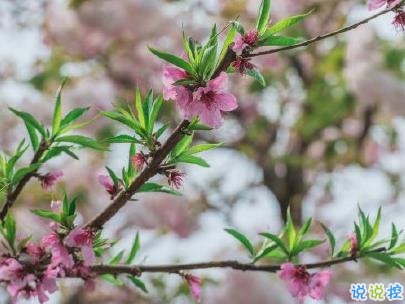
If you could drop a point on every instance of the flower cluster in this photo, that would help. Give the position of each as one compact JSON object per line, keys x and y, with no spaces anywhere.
{"x":399,"y":19}
{"x":34,"y":270}
{"x":206,"y":102}
{"x":301,"y":283}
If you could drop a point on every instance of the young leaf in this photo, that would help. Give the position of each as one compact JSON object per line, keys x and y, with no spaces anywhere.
{"x":31,"y":120}
{"x":134,"y":249}
{"x":255,"y":74}
{"x":57,"y":114}
{"x":154,"y":113}
{"x":20,"y":173}
{"x":122,"y":139}
{"x":230,"y":37}
{"x":394,"y":236}
{"x":264,"y":16}
{"x":153,"y":187}
{"x":82,"y":141}
{"x":73,"y":116}
{"x":139,"y":109}
{"x":331,"y":238}
{"x":191,"y":159}
{"x":242,"y":239}
{"x":177,"y":61}
{"x":284,"y":24}
{"x":182,"y":145}
{"x":279,"y":41}
{"x":33,"y":136}
{"x":46,"y":214}
{"x":201,"y":148}
{"x":276,"y":240}
{"x":138,"y":283}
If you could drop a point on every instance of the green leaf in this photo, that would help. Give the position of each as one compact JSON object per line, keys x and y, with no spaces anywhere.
{"x":191,"y":159}
{"x":112,"y":279}
{"x":10,"y":226}
{"x":139,"y":109}
{"x":33,"y":136}
{"x":230,"y":37}
{"x":242,"y":239}
{"x":134,"y":249}
{"x":290,"y":229}
{"x":238,"y":27}
{"x":394,"y":236}
{"x":276,"y":240}
{"x":384,"y":258}
{"x":153,"y":187}
{"x":279,"y":41}
{"x":154,"y":113}
{"x":56,"y":151}
{"x":264,"y":16}
{"x":264,"y":253}
{"x":181,"y":146}
{"x":20,"y":173}
{"x":46,"y":214}
{"x":256,"y":75}
{"x":375,"y":228}
{"x":82,"y":141}
{"x":284,"y":24}
{"x":122,"y":139}
{"x":201,"y":148}
{"x":307,"y":245}
{"x":117,"y":258}
{"x":28,"y":118}
{"x":331,"y":238}
{"x":138,"y":283}
{"x":57,"y":114}
{"x":73,"y":116}
{"x":177,"y":61}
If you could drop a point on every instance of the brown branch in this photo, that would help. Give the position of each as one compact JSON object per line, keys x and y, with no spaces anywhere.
{"x":124,"y":196}
{"x":12,"y":195}
{"x":138,"y":270}
{"x":322,"y":37}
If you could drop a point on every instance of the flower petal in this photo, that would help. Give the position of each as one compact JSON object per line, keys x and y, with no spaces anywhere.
{"x":219,"y":83}
{"x":226,"y":102}
{"x":374,"y":4}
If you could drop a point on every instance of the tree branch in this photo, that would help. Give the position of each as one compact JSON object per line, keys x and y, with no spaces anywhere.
{"x":322,"y":37}
{"x":138,"y":270}
{"x":123,"y":197}
{"x":12,"y":196}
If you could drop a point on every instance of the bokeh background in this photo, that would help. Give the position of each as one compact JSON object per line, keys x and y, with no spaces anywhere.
{"x":327,"y":134}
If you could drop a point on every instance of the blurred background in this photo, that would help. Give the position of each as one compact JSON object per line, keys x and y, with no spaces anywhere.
{"x":326,"y":135}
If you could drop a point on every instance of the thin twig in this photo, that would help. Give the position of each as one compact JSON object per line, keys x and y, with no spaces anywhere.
{"x":12,"y":195}
{"x":138,"y":270}
{"x":124,"y":196}
{"x":322,"y":37}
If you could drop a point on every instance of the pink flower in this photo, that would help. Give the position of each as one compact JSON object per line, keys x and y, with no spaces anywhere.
{"x":50,"y":179}
{"x":82,"y":238}
{"x":301,"y":283}
{"x":139,"y":160}
{"x":211,"y":101}
{"x":194,"y":283}
{"x":180,"y":94}
{"x":109,"y":186}
{"x":35,"y":251}
{"x":60,"y":255}
{"x":375,"y":4}
{"x":399,"y":21}
{"x":249,"y":39}
{"x":175,"y":178}
{"x":10,"y":269}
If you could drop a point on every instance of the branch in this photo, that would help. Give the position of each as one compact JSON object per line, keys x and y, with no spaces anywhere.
{"x":322,"y":37}
{"x":124,"y":196}
{"x":138,"y":270}
{"x":12,"y":196}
